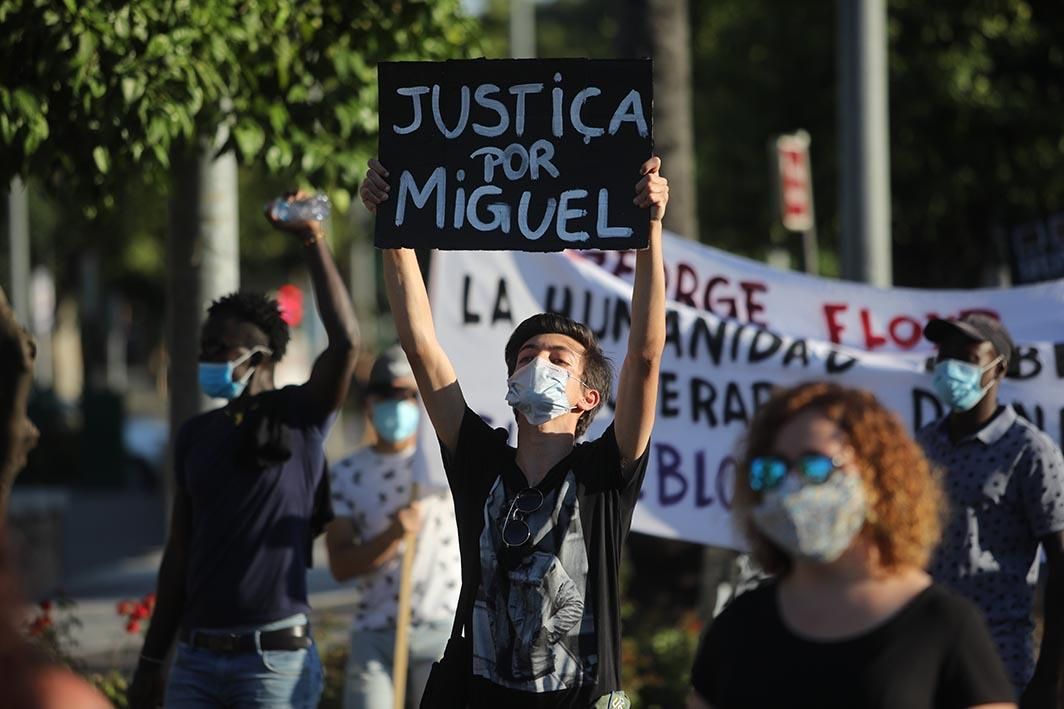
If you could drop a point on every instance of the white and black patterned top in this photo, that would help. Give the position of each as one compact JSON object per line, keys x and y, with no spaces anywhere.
{"x":1005,"y":486}
{"x":368,"y":487}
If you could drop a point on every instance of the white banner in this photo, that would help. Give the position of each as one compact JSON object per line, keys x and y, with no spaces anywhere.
{"x":736,"y":328}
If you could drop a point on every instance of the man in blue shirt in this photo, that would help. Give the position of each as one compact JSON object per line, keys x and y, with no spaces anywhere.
{"x":252,"y":493}
{"x":1005,"y":483}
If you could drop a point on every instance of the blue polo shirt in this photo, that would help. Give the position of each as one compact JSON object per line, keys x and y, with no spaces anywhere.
{"x":259,"y":494}
{"x":1005,"y":485}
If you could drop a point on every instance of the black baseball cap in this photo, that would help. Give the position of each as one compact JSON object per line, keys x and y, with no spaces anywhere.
{"x":390,"y":367}
{"x":975,"y":327}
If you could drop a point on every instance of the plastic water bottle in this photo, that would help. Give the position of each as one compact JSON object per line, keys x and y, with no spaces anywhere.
{"x":314,"y":208}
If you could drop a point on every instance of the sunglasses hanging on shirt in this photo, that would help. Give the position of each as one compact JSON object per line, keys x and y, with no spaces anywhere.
{"x":515,"y":530}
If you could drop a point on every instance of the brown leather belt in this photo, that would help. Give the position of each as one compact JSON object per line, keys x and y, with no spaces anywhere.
{"x":294,"y":638}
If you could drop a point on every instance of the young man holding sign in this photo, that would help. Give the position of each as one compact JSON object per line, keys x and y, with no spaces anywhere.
{"x":541,"y":525}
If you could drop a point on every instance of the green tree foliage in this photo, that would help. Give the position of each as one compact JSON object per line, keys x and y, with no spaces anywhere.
{"x":977,"y":130}
{"x":97,"y":97}
{"x":564,"y":28}
{"x":760,"y":68}
{"x":93,"y":91}
{"x":976,"y":118}
{"x":103,"y":86}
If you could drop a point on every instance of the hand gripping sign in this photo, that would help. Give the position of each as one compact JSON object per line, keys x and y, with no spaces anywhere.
{"x":517,"y":155}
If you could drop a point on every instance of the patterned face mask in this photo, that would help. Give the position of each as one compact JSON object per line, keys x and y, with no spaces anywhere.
{"x":817,"y":522}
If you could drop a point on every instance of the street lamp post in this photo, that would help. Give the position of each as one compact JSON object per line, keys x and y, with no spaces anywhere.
{"x":865,"y":143}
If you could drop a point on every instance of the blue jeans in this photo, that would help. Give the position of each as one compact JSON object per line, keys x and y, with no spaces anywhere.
{"x":368,"y":683}
{"x":266,"y":679}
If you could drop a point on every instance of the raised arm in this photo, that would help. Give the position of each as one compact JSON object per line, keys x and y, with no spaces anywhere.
{"x":637,"y":390}
{"x":436,"y":379}
{"x":146,"y":689}
{"x":331,"y":374}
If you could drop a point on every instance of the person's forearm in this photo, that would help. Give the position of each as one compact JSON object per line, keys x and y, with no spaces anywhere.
{"x":334,"y":302}
{"x":169,"y":606}
{"x":408,"y":299}
{"x":646,"y":340}
{"x":349,"y":561}
{"x":1051,"y":654}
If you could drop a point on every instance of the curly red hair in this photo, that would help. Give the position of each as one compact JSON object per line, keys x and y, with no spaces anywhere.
{"x":905,"y":498}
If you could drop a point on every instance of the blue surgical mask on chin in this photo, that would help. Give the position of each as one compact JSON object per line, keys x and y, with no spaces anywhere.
{"x":216,"y":378}
{"x":395,"y":420}
{"x":959,"y":385}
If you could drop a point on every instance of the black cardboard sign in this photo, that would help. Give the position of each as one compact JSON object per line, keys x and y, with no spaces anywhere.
{"x":515,"y":154}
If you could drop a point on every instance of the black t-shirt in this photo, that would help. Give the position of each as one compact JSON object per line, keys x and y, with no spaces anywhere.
{"x":546,"y":622}
{"x":259,"y":494}
{"x":934,"y":652}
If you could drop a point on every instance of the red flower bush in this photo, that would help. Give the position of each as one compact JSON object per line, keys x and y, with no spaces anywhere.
{"x":136,"y":611}
{"x":43,"y":620}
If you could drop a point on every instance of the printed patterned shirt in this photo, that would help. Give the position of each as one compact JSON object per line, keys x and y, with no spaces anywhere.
{"x":369,"y":487}
{"x":1005,"y":486}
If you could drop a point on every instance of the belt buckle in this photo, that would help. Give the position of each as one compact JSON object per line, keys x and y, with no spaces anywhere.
{"x":228,"y":642}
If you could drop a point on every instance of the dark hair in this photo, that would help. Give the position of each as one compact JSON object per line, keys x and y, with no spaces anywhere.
{"x":259,"y":310}
{"x":598,"y":371}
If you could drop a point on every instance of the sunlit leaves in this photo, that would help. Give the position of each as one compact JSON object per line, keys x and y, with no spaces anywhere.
{"x":249,"y":137}
{"x":102,"y":158}
{"x":107,"y":90}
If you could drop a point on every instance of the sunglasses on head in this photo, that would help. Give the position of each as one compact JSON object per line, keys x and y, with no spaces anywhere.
{"x":768,"y":471}
{"x":515,"y":530}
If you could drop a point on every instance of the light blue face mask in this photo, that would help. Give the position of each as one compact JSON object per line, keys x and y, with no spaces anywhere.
{"x":216,"y":378}
{"x":395,"y":419}
{"x":538,"y":391}
{"x":959,"y":385}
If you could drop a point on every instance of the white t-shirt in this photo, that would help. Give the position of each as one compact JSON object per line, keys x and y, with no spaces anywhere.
{"x":368,"y":487}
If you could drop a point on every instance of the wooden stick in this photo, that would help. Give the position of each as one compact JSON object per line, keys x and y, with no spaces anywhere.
{"x":401,"y":656}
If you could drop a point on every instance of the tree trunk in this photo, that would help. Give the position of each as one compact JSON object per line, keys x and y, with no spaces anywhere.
{"x":203,"y":264}
{"x":18,"y":234}
{"x":864,"y":142}
{"x":660,"y":29}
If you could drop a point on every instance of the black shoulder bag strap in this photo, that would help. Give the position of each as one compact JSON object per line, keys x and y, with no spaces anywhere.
{"x":462,"y":614}
{"x":448,"y":683}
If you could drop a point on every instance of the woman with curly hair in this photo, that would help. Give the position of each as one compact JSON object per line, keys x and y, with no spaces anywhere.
{"x":838,"y":502}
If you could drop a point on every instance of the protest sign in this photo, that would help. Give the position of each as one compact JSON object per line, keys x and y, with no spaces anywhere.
{"x":529,"y":155}
{"x":736,"y":328}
